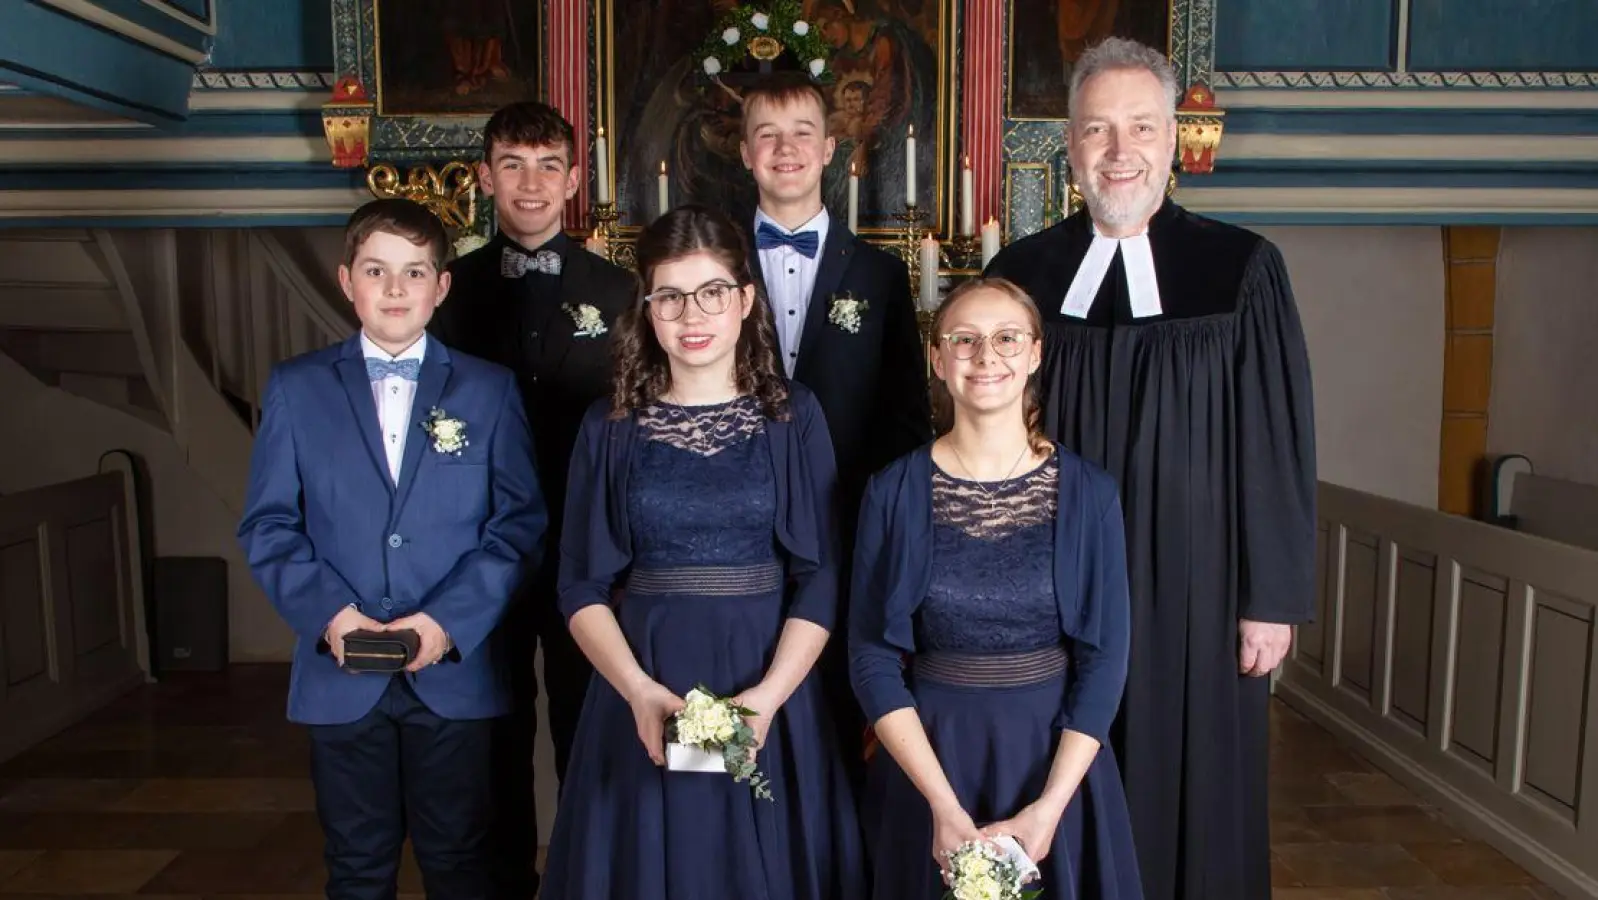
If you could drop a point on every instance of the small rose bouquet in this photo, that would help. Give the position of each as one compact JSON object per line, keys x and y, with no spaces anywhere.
{"x":449,"y":435}
{"x":997,"y":870}
{"x":709,"y":734}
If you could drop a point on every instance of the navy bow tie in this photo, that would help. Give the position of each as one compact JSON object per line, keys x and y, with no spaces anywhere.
{"x":768,"y":237}
{"x":379,"y":369}
{"x":515,"y":264}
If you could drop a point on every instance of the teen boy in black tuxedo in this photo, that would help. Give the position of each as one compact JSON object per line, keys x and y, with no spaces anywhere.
{"x":843,"y":315}
{"x":536,"y":301}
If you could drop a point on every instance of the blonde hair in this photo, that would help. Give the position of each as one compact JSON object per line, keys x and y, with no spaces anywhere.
{"x":1031,"y":405}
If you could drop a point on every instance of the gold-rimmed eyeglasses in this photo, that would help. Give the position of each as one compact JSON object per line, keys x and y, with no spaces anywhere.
{"x":668,"y":304}
{"x":1005,"y":342}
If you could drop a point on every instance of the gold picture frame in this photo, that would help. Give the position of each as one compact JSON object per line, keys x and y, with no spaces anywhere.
{"x":666,"y":110}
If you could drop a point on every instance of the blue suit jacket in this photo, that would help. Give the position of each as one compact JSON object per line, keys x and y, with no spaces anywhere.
{"x":325,"y":526}
{"x":893,"y":571}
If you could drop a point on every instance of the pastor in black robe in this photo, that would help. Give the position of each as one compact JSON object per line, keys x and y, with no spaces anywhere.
{"x":1203,"y":413}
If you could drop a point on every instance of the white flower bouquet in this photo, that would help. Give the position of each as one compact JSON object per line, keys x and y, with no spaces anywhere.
{"x":996,"y":870}
{"x":709,"y":734}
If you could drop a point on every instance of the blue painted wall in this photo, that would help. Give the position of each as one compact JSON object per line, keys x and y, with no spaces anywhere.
{"x":195,"y":8}
{"x":164,"y":24}
{"x":280,"y":36}
{"x":46,"y":50}
{"x":1503,"y":35}
{"x":1314,"y":35}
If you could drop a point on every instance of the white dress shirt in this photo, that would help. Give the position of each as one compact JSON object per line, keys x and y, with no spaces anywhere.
{"x":1137,"y":258}
{"x":394,"y":396}
{"x":790,"y":278}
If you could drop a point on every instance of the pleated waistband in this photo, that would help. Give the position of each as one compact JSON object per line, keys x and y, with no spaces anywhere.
{"x":991,"y":669}
{"x":712,"y":581}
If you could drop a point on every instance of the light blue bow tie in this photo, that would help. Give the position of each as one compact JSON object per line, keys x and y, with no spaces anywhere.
{"x":379,"y":369}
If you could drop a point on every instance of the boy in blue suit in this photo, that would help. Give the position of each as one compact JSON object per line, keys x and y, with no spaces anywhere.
{"x":393,"y":489}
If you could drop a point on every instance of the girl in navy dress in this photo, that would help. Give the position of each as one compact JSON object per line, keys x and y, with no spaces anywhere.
{"x":989,"y":628}
{"x":698,"y":549}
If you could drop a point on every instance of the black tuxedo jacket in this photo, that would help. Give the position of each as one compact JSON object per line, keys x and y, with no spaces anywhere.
{"x":560,"y":373}
{"x":872,"y":384}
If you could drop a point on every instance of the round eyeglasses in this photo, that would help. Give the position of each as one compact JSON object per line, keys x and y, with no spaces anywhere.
{"x":669,"y":304}
{"x":1005,"y":342}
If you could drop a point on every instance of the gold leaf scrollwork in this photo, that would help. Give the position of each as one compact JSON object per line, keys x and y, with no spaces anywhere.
{"x":449,"y":193}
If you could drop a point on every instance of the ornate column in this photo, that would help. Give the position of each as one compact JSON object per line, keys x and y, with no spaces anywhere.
{"x":982,"y":106}
{"x":566,"y":37}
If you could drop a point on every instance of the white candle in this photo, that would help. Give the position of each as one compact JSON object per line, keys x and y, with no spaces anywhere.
{"x":968,"y":213}
{"x":910,"y":167}
{"x":665,"y":193}
{"x":990,"y":241}
{"x":602,"y":168}
{"x":929,"y":273}
{"x":854,"y":199}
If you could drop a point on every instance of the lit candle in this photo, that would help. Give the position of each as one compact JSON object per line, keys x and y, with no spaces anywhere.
{"x":665,"y":194}
{"x":968,"y":214}
{"x":854,"y":199}
{"x":910,"y":167}
{"x":602,"y":168}
{"x":990,"y":241}
{"x":929,"y":273}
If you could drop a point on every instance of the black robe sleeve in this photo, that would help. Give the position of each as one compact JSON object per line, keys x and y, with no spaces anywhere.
{"x":1276,"y":442}
{"x":904,"y":406}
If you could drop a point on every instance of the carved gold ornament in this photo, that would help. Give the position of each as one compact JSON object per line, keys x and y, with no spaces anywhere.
{"x":449,"y":193}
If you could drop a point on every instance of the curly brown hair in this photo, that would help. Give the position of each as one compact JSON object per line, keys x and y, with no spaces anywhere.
{"x":1031,"y":405}
{"x":642,"y":369}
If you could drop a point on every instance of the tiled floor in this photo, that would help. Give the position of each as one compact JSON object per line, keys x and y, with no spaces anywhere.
{"x":197,"y":788}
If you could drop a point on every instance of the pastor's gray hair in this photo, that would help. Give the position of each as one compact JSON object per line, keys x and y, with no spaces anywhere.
{"x":1120,"y":53}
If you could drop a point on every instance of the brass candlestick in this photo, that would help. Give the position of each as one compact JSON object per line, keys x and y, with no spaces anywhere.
{"x":605,"y":221}
{"x":965,"y":253}
{"x":616,"y":250}
{"x":908,"y":246}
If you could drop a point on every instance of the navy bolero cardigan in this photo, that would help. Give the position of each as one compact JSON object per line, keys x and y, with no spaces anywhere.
{"x":596,"y":540}
{"x":893,"y":572}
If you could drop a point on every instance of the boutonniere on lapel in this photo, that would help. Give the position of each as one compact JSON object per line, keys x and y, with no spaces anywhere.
{"x":589,"y":322}
{"x":846,"y":311}
{"x":449,"y":435}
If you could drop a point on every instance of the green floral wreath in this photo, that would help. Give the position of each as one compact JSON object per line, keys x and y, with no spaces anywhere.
{"x":765,"y":34}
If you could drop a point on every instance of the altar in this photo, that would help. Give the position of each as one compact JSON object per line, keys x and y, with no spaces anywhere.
{"x":946,"y":148}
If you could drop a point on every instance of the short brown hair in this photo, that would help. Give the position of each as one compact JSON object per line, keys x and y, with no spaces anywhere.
{"x":785,"y":88}
{"x":394,"y":215}
{"x":529,"y":124}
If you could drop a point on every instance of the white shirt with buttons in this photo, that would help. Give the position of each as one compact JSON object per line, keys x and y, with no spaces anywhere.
{"x":790,"y":278}
{"x":394,"y":396}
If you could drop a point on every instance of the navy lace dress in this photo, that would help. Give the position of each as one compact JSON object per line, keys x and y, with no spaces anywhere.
{"x":990,"y":676}
{"x":704,"y":604}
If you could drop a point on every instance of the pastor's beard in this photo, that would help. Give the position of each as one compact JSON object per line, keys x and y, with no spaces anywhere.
{"x":1122,"y":208}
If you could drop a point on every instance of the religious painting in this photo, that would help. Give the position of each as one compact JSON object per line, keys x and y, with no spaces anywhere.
{"x":1048,"y":36}
{"x":890,"y":72}
{"x":455,"y":57}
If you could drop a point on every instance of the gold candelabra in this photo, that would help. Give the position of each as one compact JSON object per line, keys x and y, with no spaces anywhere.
{"x":908,"y":246}
{"x":618,"y":251}
{"x":965,"y":252}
